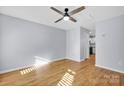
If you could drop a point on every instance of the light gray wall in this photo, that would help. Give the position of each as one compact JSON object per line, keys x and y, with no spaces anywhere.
{"x":21,"y":41}
{"x":73,"y":44}
{"x":77,"y":44}
{"x":84,"y":43}
{"x":110,"y":44}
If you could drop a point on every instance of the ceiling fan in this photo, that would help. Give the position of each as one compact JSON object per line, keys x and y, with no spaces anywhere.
{"x":67,"y":15}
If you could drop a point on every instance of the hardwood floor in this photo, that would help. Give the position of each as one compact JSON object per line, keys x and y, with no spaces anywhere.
{"x":62,"y":73}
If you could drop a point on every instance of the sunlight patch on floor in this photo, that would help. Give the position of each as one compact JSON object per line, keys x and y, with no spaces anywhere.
{"x":27,"y":70}
{"x":38,"y":63}
{"x":67,"y":79}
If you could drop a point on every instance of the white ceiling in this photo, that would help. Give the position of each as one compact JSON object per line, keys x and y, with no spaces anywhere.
{"x":44,"y":15}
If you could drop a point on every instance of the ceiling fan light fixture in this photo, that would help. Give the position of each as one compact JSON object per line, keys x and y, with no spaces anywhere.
{"x":67,"y":15}
{"x":66,"y":18}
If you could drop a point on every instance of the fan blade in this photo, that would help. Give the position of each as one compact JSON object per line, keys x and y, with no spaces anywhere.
{"x":58,"y":20}
{"x":57,"y":10}
{"x":72,"y":19}
{"x":77,"y":10}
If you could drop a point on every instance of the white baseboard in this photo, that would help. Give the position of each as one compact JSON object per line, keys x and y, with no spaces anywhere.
{"x":110,"y":68}
{"x":58,"y":59}
{"x":82,"y":60}
{"x":18,"y":68}
{"x":77,"y":60}
{"x":14,"y":69}
{"x":73,"y":59}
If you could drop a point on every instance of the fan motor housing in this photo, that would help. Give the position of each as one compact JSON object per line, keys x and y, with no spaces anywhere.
{"x":66,"y":10}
